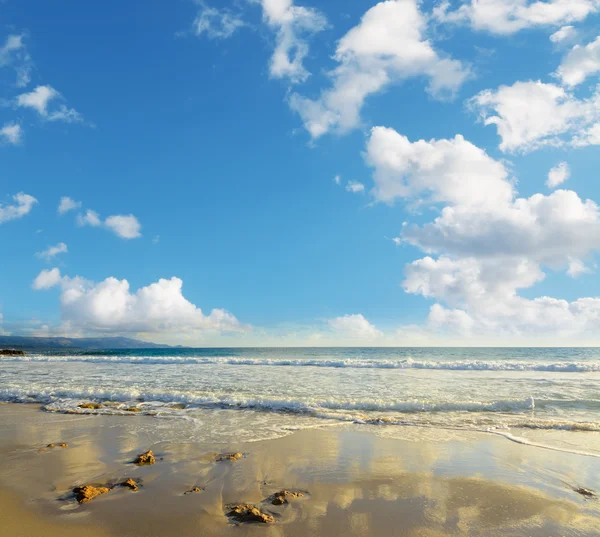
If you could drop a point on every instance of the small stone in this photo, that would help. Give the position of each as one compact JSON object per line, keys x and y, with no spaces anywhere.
{"x":132,"y":409}
{"x":88,"y":492}
{"x":193,"y":489}
{"x":50,"y":446}
{"x":248,"y":513}
{"x":92,"y":406}
{"x":145,"y":458}
{"x":130,"y":483}
{"x":63,"y":445}
{"x":229,"y":457}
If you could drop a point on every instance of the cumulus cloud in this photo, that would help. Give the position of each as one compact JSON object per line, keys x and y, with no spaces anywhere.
{"x":387,"y":46}
{"x":52,"y":251}
{"x":292,"y":25}
{"x":355,"y":187}
{"x":112,"y":306}
{"x":580,"y":63}
{"x":354,"y":326}
{"x":11,"y":133}
{"x":337,"y":180}
{"x":125,"y":226}
{"x":529,"y":115}
{"x":489,"y":243}
{"x":217,"y":23}
{"x":547,"y":229}
{"x":39,"y":100}
{"x":14,"y":52}
{"x":67,"y":204}
{"x":453,"y":171}
{"x":47,"y":279}
{"x":577,"y":267}
{"x":565,"y":34}
{"x":558,"y":175}
{"x":23,"y":203}
{"x":505,"y":17}
{"x":485,"y":308}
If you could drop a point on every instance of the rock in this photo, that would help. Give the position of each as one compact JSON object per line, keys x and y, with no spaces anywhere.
{"x":130,"y":483}
{"x":88,"y":492}
{"x":193,"y":489}
{"x":50,"y":446}
{"x":145,"y":458}
{"x":93,"y":406}
{"x":281,"y":497}
{"x":132,"y":409}
{"x":63,"y":445}
{"x":11,"y":352}
{"x":229,"y":457}
{"x":248,"y":513}
{"x":586,"y":493}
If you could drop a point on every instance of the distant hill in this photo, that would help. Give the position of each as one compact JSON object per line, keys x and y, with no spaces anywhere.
{"x":21,"y":342}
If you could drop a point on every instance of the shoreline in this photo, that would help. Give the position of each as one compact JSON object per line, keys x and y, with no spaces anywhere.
{"x":355,"y":482}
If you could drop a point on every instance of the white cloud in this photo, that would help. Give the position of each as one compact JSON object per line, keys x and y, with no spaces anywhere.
{"x":355,"y":187}
{"x":52,"y":251}
{"x":580,"y":63}
{"x":111,"y":306}
{"x":529,"y":115}
{"x":453,"y":171}
{"x":354,"y":326}
{"x":546,"y":229}
{"x":389,"y":45}
{"x":11,"y":133}
{"x":337,"y":180}
{"x":577,"y":267}
{"x":125,"y":226}
{"x":292,"y":25}
{"x":23,"y":203}
{"x":67,"y":204}
{"x":217,"y":23}
{"x":14,"y":52}
{"x":90,"y":218}
{"x":506,"y":17}
{"x":566,"y":34}
{"x":47,"y":279}
{"x":558,"y":175}
{"x":40,"y":98}
{"x":490,"y":309}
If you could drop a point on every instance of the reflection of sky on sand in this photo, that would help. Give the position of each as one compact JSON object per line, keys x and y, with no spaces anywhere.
{"x":358,"y":484}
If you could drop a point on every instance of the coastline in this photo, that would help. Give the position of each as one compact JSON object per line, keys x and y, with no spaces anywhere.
{"x":355,"y":482}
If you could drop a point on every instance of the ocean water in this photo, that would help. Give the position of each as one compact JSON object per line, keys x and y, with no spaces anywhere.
{"x":258,"y":393}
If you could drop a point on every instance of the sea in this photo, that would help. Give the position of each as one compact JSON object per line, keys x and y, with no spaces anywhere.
{"x":245,"y":394}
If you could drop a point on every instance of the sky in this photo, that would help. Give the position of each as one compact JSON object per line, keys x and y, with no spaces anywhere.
{"x":278,"y":172}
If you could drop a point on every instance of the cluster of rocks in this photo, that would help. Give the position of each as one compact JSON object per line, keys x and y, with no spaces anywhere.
{"x":11,"y":352}
{"x":229,"y":457}
{"x":281,"y":497}
{"x":245,"y":512}
{"x":52,"y":446}
{"x":586,"y":493}
{"x":87,"y":493}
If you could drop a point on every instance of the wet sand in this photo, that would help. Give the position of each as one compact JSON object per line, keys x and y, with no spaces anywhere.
{"x":355,"y":482}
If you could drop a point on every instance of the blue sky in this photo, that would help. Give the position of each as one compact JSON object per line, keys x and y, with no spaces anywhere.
{"x":199,"y":144}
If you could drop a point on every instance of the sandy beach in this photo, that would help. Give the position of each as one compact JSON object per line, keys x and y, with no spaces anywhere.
{"x":353,"y":481}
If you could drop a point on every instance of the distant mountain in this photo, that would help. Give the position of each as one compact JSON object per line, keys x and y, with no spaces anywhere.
{"x":20,"y":342}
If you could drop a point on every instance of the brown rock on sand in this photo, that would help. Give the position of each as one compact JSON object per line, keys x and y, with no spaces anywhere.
{"x":229,"y":457}
{"x":88,"y":492}
{"x":145,"y":458}
{"x":130,"y":483}
{"x":50,"y":446}
{"x":92,"y":406}
{"x":248,"y":513}
{"x":193,"y":489}
{"x":281,"y":497}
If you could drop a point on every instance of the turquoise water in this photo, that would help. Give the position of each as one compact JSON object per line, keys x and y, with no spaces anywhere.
{"x":487,"y":389}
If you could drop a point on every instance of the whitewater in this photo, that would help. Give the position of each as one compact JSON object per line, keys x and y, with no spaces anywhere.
{"x":269,"y":392}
